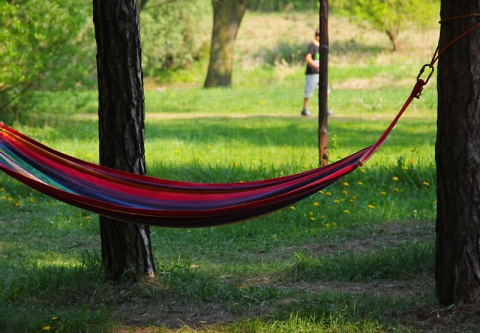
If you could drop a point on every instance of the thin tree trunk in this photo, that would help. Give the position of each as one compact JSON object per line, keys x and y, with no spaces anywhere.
{"x":392,"y":35}
{"x":323,"y":85}
{"x":458,"y":159}
{"x":227,"y":16}
{"x":126,"y":248}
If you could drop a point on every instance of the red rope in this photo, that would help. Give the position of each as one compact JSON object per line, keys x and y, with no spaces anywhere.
{"x":439,"y":52}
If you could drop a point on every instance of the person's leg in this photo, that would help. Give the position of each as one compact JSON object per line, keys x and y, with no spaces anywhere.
{"x":311,"y":81}
{"x":305,"y":102}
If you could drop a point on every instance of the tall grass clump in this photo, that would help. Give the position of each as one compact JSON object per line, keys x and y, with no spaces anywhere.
{"x":333,"y":323}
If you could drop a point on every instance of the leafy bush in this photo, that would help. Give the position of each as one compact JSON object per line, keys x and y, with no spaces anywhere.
{"x":171,"y":35}
{"x":46,"y":48}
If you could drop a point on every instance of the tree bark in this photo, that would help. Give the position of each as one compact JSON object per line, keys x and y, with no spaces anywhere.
{"x":227,"y":16}
{"x":457,"y":272}
{"x":126,"y":248}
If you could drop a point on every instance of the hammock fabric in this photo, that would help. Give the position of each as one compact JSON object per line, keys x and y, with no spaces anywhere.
{"x":159,"y":202}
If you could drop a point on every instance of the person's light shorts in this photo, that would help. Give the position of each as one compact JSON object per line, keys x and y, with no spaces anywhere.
{"x":311,"y":83}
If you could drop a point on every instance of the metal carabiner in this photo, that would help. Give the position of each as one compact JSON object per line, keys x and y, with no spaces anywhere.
{"x":423,"y":70}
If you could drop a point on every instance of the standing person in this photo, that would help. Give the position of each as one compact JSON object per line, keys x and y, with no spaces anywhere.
{"x":312,"y":72}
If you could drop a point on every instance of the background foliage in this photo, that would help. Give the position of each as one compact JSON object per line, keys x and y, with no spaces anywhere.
{"x":52,"y":48}
{"x":390,"y":16}
{"x":44,"y":47}
{"x":173,"y":34}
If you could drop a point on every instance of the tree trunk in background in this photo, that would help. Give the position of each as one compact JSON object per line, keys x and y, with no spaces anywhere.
{"x":126,"y":248}
{"x":141,"y":4}
{"x":457,"y":272}
{"x":227,"y":16}
{"x":392,"y":34}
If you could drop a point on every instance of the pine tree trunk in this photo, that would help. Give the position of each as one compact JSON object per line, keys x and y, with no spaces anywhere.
{"x":227,"y":16}
{"x":126,"y":248}
{"x":458,"y":158}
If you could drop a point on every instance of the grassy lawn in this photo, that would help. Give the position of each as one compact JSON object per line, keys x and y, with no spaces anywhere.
{"x":356,"y":257}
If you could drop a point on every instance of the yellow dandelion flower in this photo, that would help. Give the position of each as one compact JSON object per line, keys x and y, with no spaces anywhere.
{"x":362,"y":170}
{"x":334,"y":224}
{"x":336,"y":201}
{"x":411,"y":161}
{"x":292,"y":207}
{"x":321,"y":191}
{"x":54,"y":318}
{"x":426,"y":183}
{"x":315,"y":203}
{"x":327,"y":225}
{"x":345,"y":192}
{"x":395,"y":178}
{"x":310,"y":213}
{"x":371,"y":206}
{"x":177,"y":151}
{"x":47,"y":328}
{"x":346,"y":211}
{"x":383,"y":193}
{"x":312,"y":218}
{"x":345,"y":184}
{"x":328,"y":194}
{"x":360,"y":183}
{"x":405,"y":168}
{"x":396,"y":189}
{"x":322,"y":216}
{"x":209,"y":147}
{"x":32,"y":199}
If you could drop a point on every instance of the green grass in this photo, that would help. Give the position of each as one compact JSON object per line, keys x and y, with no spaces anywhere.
{"x":324,"y":264}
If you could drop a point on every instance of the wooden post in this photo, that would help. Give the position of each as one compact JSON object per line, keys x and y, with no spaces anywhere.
{"x":323,"y":85}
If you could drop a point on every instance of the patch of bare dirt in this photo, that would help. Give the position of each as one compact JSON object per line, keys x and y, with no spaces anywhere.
{"x":148,"y":318}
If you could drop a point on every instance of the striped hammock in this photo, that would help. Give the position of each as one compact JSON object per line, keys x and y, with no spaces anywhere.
{"x":159,"y":202}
